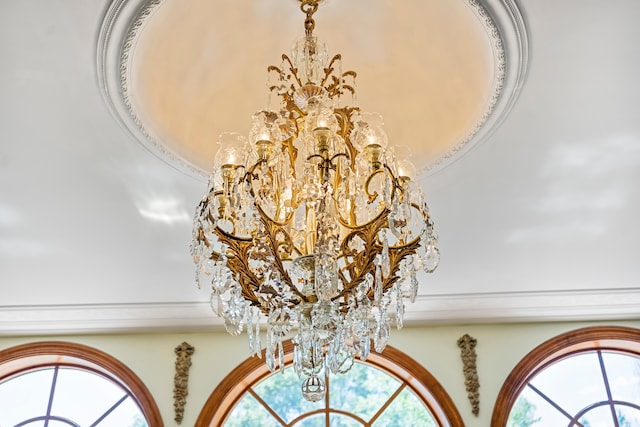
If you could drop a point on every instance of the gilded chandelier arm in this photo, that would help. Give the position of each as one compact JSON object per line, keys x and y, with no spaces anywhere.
{"x":343,"y":115}
{"x":374,"y":195}
{"x":329,"y":69}
{"x":397,"y":254}
{"x":272,"y":230}
{"x":237,"y":262}
{"x":362,"y":262}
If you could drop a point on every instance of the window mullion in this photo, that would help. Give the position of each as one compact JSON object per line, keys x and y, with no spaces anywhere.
{"x":327,"y":416}
{"x":606,"y":385}
{"x":551,"y":402}
{"x":267,"y":407}
{"x":110,"y":410}
{"x":386,"y":404}
{"x":53,"y":388}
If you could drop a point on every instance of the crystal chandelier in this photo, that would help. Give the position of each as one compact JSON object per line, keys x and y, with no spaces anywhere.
{"x":313,"y":225}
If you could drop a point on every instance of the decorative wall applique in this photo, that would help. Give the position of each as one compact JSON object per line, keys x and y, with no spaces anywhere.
{"x":467,"y":346}
{"x":181,"y":379}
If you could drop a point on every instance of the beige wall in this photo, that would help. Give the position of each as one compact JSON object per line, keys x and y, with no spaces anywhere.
{"x":499,"y":348}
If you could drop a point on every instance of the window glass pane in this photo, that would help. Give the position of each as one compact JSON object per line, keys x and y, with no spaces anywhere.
{"x":25,"y":396}
{"x":599,"y":416}
{"x":80,"y":396}
{"x":339,"y":420}
{"x":532,"y":410}
{"x":249,"y":412}
{"x":282,"y":392}
{"x":628,"y":416}
{"x":406,"y":409}
{"x":523,"y":413}
{"x":126,"y":414}
{"x":362,"y":391}
{"x":317,"y":420}
{"x":83,"y":396}
{"x":34,"y":424}
{"x":573,"y":383}
{"x":623,"y":372}
{"x":56,"y":423}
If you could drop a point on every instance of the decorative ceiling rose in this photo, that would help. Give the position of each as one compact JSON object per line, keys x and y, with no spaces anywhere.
{"x":172,"y":95}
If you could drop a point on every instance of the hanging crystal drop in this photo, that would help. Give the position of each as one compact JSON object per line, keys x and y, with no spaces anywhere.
{"x":385,"y":261}
{"x":339,"y":345}
{"x":257,"y":335}
{"x":297,"y":360}
{"x":365,"y":348}
{"x":317,"y":357}
{"x":250,"y":331}
{"x":362,"y":325}
{"x":431,"y":258}
{"x":326,"y":277}
{"x":325,"y":320}
{"x":333,"y":354}
{"x":377,"y":297}
{"x":221,"y":274}
{"x":215,"y":302}
{"x":381,"y":336}
{"x":233,"y":313}
{"x":413,"y":286}
{"x":270,"y":358}
{"x":342,"y":357}
{"x":206,"y":270}
{"x":281,"y":356}
{"x":386,"y":191}
{"x":399,"y":307}
{"x":382,"y":331}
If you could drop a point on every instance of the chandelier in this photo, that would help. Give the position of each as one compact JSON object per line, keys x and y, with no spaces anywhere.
{"x":313,"y":225}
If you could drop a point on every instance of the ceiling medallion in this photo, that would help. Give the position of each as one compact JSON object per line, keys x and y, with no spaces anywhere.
{"x":171,"y":102}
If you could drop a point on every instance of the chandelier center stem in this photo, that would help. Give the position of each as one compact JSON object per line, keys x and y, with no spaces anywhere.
{"x":309,"y":7}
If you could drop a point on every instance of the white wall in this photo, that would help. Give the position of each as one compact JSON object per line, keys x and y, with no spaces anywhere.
{"x":152,"y":358}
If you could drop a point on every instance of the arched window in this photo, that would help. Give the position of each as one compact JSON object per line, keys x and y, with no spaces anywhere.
{"x":58,"y":384}
{"x":585,"y":378}
{"x":388,"y":389}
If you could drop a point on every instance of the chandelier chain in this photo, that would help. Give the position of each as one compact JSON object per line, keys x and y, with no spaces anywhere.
{"x":309,"y":7}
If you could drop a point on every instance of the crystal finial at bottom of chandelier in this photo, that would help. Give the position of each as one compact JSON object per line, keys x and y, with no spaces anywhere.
{"x":313,"y":389}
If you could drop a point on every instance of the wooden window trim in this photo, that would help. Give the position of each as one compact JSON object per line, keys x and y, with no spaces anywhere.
{"x":616,"y":338}
{"x":25,"y":356}
{"x":231,"y":389}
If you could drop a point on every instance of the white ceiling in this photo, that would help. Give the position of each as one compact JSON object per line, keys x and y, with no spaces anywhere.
{"x":540,"y":222}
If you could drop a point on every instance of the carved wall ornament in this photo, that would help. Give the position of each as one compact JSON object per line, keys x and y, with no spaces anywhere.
{"x":467,"y":346}
{"x":181,"y":379}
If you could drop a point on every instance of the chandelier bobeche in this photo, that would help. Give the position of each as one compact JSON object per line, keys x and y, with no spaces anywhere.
{"x":313,"y":223}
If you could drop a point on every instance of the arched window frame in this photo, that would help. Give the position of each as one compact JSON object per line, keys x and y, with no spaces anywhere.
{"x":612,"y":338}
{"x":233,"y":387}
{"x":27,"y":357}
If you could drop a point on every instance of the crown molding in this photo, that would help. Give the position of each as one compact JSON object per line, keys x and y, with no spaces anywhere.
{"x":506,"y":307}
